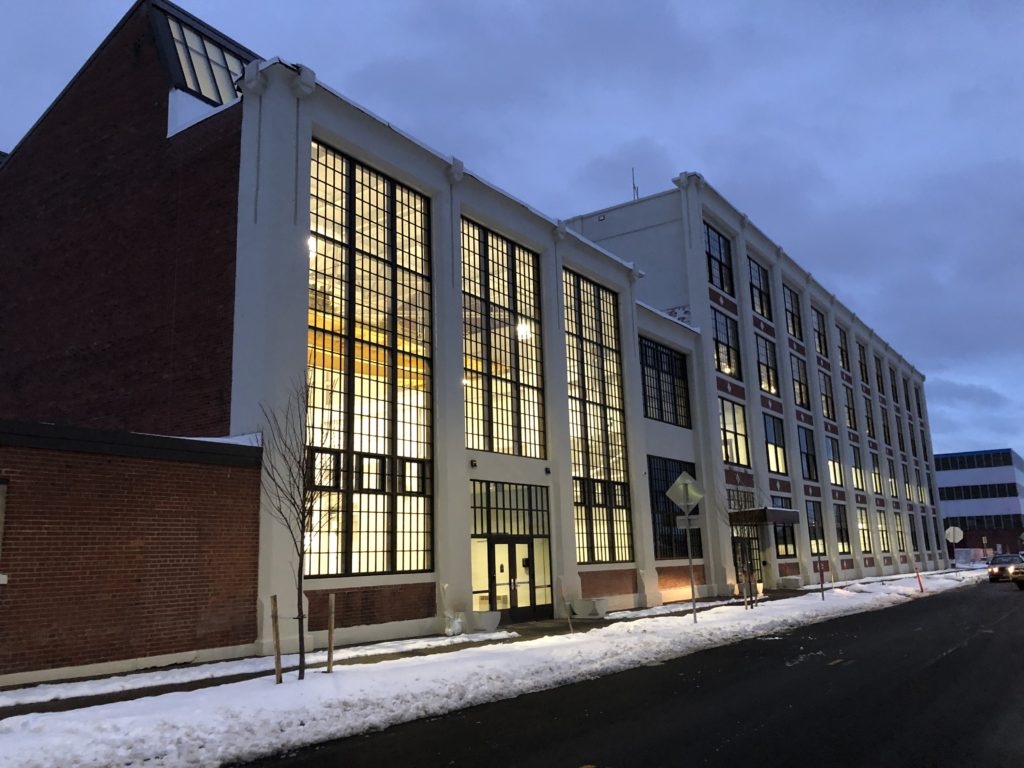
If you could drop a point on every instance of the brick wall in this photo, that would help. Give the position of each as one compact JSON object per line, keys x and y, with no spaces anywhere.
{"x":113,"y":557}
{"x":678,"y":576}
{"x":122,"y":243}
{"x":606,"y":583}
{"x":372,"y":605}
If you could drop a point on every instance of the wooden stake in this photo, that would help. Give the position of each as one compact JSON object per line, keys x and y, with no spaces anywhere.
{"x":277,"y":639}
{"x":330,"y":632}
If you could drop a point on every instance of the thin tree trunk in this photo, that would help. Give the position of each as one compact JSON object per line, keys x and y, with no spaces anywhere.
{"x":302,"y":623}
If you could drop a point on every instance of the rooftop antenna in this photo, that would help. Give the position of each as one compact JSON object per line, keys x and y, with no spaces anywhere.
{"x":636,"y":189}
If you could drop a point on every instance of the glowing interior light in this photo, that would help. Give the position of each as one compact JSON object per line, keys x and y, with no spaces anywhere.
{"x":465,"y":382}
{"x":312,"y":246}
{"x":524,"y":331}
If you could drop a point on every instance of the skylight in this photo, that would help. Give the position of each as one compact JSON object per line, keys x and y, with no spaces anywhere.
{"x":208,"y":68}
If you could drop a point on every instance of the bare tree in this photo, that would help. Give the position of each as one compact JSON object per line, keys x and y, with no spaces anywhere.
{"x":288,"y":484}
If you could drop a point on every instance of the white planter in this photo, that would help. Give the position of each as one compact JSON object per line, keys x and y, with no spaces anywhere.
{"x":483,"y":621}
{"x":590,"y":607}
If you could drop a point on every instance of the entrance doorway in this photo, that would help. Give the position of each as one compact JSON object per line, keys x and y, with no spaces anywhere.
{"x":746,"y":553}
{"x":511,"y":557}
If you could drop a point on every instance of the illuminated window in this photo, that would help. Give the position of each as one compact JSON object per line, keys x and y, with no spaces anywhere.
{"x":920,"y":486}
{"x":820,"y":336}
{"x":876,"y":475}
{"x":727,"y":345}
{"x":775,"y":443}
{"x":908,"y":491}
{"x":842,"y":529}
{"x":208,"y":67}
{"x":503,"y":382}
{"x":828,"y":405}
{"x":670,"y":540}
{"x":596,"y":422}
{"x":857,"y":469}
{"x":808,"y":456}
{"x":785,"y":539}
{"x":760,"y":290}
{"x":801,"y":393}
{"x":815,"y":528}
{"x":864,"y":529}
{"x":883,"y":531}
{"x":901,"y":536}
{"x":666,"y":392}
{"x":719,"y":253}
{"x":835,"y":463}
{"x":369,"y":366}
{"x":844,"y":349}
{"x":767,"y":370}
{"x":732,"y":419}
{"x":791,"y":302}
{"x":892,"y":479}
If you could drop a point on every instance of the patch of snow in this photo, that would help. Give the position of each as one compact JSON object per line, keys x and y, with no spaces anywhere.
{"x":246,"y":720}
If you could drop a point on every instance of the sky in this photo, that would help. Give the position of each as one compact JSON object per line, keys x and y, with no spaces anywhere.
{"x":879,"y":143}
{"x":245,"y":720}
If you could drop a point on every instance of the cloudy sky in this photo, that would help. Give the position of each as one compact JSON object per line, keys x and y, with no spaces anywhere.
{"x":880,"y":143}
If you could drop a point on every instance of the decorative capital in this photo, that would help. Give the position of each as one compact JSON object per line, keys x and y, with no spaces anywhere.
{"x":455,"y":170}
{"x":253,"y":81}
{"x":304,"y":82}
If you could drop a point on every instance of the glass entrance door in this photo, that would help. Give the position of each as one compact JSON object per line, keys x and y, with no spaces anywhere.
{"x":512,"y":575}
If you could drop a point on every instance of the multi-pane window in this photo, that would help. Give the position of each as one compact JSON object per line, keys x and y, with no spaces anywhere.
{"x":727,"y":344}
{"x":857,"y":469}
{"x":913,"y":441}
{"x":844,"y":349}
{"x":666,"y":392}
{"x":928,"y":487}
{"x":785,"y":540}
{"x":906,"y":394}
{"x":899,"y":435}
{"x":901,"y":535}
{"x":791,"y":302}
{"x":732,"y":420}
{"x":815,"y":527}
{"x":828,"y":405}
{"x":886,"y":432}
{"x":760,"y":290}
{"x":851,"y":407}
{"x":208,"y":69}
{"x":801,"y":394}
{"x":924,"y":445}
{"x":917,"y":401}
{"x":892,"y":386}
{"x":862,"y":363}
{"x":820,"y":335}
{"x":891,"y":466}
{"x":842,"y":529}
{"x":935,"y":527}
{"x":883,"y":531}
{"x":913,"y":533}
{"x":369,"y":412}
{"x":808,"y":456}
{"x":920,"y":487}
{"x":597,"y":423}
{"x":927,"y":535}
{"x":835,"y":463}
{"x":879,"y":376}
{"x":775,"y":444}
{"x":869,"y":417}
{"x":864,"y":530}
{"x":908,"y":492}
{"x":670,"y":540}
{"x":719,"y":253}
{"x":503,"y":383}
{"x":767,"y":369}
{"x":876,"y":475}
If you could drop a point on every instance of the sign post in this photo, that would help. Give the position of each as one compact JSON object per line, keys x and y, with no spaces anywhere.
{"x":686,"y":494}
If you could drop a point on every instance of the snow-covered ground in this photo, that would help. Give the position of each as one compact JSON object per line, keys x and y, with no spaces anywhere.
{"x":245,"y":720}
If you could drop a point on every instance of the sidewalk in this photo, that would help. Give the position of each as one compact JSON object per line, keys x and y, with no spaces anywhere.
{"x":524,"y":631}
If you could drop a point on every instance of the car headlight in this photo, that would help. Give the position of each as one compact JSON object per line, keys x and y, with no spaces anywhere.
{"x":991,"y":570}
{"x":1009,"y":568}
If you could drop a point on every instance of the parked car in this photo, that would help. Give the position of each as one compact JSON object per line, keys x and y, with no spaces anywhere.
{"x":1017,"y":577}
{"x":1002,"y":567}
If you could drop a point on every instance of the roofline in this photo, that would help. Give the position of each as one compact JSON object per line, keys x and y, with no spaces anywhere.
{"x":975,"y":453}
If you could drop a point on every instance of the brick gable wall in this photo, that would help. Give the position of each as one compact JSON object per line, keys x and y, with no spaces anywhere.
{"x":119,"y":249}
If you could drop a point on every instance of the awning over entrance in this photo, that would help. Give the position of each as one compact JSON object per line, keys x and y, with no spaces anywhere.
{"x":758,"y":515}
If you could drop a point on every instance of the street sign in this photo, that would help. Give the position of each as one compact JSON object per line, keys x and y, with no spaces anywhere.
{"x":685,"y":493}
{"x":954,"y":535}
{"x":984,"y":540}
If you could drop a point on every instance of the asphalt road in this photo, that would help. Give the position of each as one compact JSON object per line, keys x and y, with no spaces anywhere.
{"x":935,"y":682}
